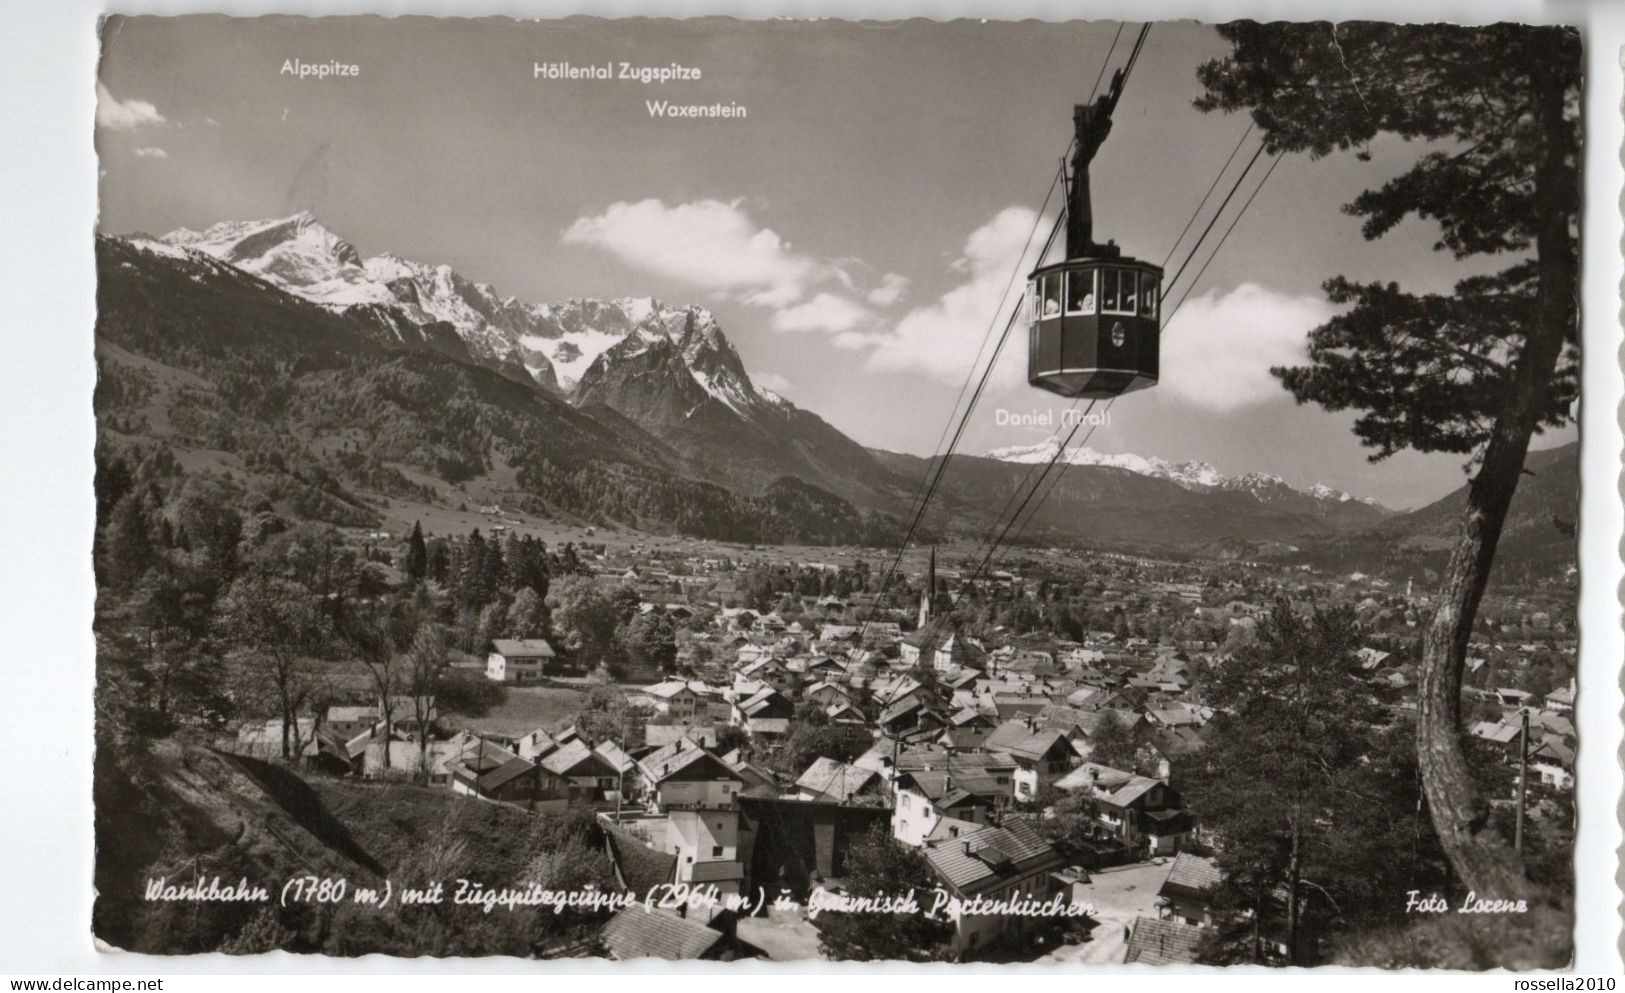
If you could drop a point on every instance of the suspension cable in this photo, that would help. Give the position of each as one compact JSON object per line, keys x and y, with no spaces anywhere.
{"x":1206,"y":196}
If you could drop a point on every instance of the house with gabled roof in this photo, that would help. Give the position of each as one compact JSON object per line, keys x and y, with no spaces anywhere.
{"x":827,"y":693}
{"x":1154,"y":941}
{"x":923,"y":797}
{"x":1561,"y":699}
{"x":833,"y":781}
{"x":639,"y":932}
{"x":758,"y":780}
{"x":1134,"y":809}
{"x":533,"y":745}
{"x":587,"y":776}
{"x":967,"y":729}
{"x":929,"y":784}
{"x":345,"y":722}
{"x":915,"y":713}
{"x":1502,"y":735}
{"x":491,"y":772}
{"x":770,"y":670}
{"x":765,"y":702}
{"x":881,"y":632}
{"x":698,"y":793}
{"x":1008,"y":862}
{"x":1043,"y":755}
{"x":824,"y":667}
{"x":518,"y":660}
{"x":845,"y":714}
{"x":941,"y":647}
{"x":679,"y":700}
{"x":1553,"y":761}
{"x":627,"y":772}
{"x":838,"y":632}
{"x":895,"y":689}
{"x":1187,"y":891}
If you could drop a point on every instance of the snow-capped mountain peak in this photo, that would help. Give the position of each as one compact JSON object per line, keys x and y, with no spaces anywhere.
{"x":1196,"y":476}
{"x":557,"y":343}
{"x":1190,"y":475}
{"x":296,"y":253}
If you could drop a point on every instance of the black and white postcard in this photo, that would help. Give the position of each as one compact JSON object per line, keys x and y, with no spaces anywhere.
{"x":987,"y":491}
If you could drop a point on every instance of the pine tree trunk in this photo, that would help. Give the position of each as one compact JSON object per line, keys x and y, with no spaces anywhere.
{"x":1294,"y":871}
{"x":1258,"y":924}
{"x":1481,"y":860}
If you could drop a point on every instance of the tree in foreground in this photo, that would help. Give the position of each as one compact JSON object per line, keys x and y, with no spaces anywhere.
{"x":1296,"y":785}
{"x":278,"y":626}
{"x":1473,"y":373}
{"x":427,"y":661}
{"x":878,"y":865}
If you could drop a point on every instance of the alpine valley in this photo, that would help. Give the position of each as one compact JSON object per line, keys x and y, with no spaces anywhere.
{"x":272,"y":357}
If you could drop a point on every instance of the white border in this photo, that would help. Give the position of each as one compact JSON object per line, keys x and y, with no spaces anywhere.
{"x":47,"y":61}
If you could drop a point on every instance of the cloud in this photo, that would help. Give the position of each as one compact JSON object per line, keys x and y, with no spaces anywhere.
{"x":891,"y":289}
{"x":828,"y":312}
{"x":942,"y":339}
{"x":1218,"y":349}
{"x":123,"y":115}
{"x":772,"y":381}
{"x":151,"y":153}
{"x":710,"y":244}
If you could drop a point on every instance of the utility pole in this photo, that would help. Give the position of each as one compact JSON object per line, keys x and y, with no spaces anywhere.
{"x":1523,"y":776}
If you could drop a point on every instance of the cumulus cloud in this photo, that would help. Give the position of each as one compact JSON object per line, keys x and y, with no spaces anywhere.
{"x":1218,"y":349}
{"x":891,"y":289}
{"x":151,"y":153}
{"x":829,"y":312}
{"x":772,"y":381}
{"x":123,"y":115}
{"x":711,"y":244}
{"x":943,"y":337}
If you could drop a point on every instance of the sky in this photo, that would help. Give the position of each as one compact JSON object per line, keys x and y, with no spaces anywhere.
{"x":854,"y":233}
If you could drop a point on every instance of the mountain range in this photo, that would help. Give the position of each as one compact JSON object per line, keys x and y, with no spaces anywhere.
{"x":626,"y":409}
{"x":671,"y":370}
{"x":1200,"y":477}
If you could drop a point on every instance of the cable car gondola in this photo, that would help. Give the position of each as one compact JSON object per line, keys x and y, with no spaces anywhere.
{"x":1093,"y":320}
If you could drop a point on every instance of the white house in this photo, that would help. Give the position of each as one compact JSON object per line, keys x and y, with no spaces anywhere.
{"x":675,"y":698}
{"x":518,"y":660}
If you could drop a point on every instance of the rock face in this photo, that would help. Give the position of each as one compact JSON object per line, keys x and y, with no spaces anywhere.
{"x":301,"y":256}
{"x":678,"y":377}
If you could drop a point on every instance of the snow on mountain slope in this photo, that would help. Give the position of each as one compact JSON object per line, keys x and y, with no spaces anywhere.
{"x":296,"y":253}
{"x":1190,"y":475}
{"x":301,"y":256}
{"x":573,"y":334}
{"x":556,"y":342}
{"x":1196,"y":476}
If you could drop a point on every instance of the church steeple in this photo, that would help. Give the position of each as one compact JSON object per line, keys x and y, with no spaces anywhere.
{"x":930,"y":589}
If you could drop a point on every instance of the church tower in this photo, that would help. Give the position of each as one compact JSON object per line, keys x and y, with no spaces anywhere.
{"x":930,"y":590}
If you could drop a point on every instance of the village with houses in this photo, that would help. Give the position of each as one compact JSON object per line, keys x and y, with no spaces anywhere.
{"x":1034,"y":736}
